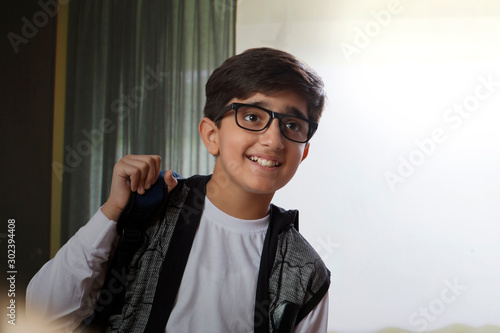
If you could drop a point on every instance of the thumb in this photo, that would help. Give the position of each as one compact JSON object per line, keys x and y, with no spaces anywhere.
{"x":170,"y":180}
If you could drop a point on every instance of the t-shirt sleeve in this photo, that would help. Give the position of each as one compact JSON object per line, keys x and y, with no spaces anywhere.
{"x":65,"y":290}
{"x":317,"y":320}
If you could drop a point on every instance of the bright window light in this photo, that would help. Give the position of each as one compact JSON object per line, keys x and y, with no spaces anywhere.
{"x":400,"y":193}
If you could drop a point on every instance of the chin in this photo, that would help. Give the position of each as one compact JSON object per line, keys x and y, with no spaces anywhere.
{"x":264,"y":187}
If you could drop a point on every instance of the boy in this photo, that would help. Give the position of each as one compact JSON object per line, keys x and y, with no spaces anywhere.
{"x":217,"y":256}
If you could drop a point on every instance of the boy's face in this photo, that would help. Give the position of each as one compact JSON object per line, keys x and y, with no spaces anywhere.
{"x":258,"y":162}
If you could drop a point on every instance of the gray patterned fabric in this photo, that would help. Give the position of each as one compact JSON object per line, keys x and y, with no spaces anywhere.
{"x":298,"y":275}
{"x":145,"y":270}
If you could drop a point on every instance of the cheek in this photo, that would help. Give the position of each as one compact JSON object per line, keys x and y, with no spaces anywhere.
{"x":235,"y":142}
{"x":233,"y":149}
{"x":298,"y":152}
{"x":296,"y":159}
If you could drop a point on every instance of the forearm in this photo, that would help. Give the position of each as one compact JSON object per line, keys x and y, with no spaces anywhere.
{"x":66,"y":288}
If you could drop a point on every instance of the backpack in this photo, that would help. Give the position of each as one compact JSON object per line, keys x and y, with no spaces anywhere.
{"x":292,"y":277}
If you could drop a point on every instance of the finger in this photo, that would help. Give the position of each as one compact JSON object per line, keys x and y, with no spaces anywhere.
{"x":135,"y":175}
{"x":138,"y":168}
{"x":154,"y":162}
{"x":170,"y":180}
{"x":158,"y":166}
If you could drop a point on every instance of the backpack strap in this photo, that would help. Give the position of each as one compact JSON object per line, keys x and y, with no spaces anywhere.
{"x":279,"y":303}
{"x":281,"y":220}
{"x":176,"y":258}
{"x":130,"y":227}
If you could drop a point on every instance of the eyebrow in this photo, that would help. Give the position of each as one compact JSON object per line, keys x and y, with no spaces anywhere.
{"x":290,"y":110}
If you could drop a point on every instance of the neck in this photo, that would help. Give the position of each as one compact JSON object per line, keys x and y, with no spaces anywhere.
{"x":237,"y":202}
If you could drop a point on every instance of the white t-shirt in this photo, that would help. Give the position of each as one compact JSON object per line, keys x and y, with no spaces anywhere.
{"x":217,"y":291}
{"x":221,"y":274}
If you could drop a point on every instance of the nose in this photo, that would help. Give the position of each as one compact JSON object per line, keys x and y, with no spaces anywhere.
{"x":272,"y":136}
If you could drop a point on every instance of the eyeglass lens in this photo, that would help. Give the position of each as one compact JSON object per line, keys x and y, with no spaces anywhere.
{"x":255,"y":119}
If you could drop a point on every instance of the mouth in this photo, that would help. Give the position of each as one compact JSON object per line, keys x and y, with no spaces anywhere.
{"x":264,"y":162}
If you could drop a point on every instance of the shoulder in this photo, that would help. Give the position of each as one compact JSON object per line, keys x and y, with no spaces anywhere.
{"x":297,"y":251}
{"x":294,"y":254}
{"x":192,"y":190}
{"x":292,"y":245}
{"x":299,"y":275}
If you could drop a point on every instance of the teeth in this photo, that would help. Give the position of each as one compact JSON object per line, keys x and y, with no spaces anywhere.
{"x":264,"y":162}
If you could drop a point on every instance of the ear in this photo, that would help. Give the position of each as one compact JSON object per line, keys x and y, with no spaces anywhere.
{"x":209,"y":133}
{"x":306,"y":152}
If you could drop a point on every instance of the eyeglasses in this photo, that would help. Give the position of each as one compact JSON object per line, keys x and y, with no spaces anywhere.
{"x":254,"y":118}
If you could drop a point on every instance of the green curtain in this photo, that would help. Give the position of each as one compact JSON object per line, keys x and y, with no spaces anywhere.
{"x":136,"y":72}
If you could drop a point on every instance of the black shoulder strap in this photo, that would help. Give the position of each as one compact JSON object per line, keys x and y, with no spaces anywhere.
{"x":177,"y":255}
{"x":280,"y":221}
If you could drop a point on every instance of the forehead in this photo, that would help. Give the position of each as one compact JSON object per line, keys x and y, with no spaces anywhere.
{"x":286,"y":102}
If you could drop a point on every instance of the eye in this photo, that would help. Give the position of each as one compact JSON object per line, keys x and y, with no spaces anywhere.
{"x":294,"y":125}
{"x":251,"y":117}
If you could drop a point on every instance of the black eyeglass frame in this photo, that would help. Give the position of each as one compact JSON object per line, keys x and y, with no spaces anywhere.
{"x":313,"y":126}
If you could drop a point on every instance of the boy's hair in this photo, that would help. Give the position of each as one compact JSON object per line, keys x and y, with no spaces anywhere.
{"x":266,"y":71}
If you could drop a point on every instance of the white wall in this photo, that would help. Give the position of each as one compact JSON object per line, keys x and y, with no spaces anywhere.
{"x":419,"y":251}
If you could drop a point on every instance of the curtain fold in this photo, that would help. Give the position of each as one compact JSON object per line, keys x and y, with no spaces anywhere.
{"x":136,"y":72}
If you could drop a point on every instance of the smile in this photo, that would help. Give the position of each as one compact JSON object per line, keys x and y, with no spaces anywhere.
{"x":263,"y":162}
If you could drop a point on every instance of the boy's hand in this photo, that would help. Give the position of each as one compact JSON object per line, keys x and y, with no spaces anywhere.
{"x":133,"y":173}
